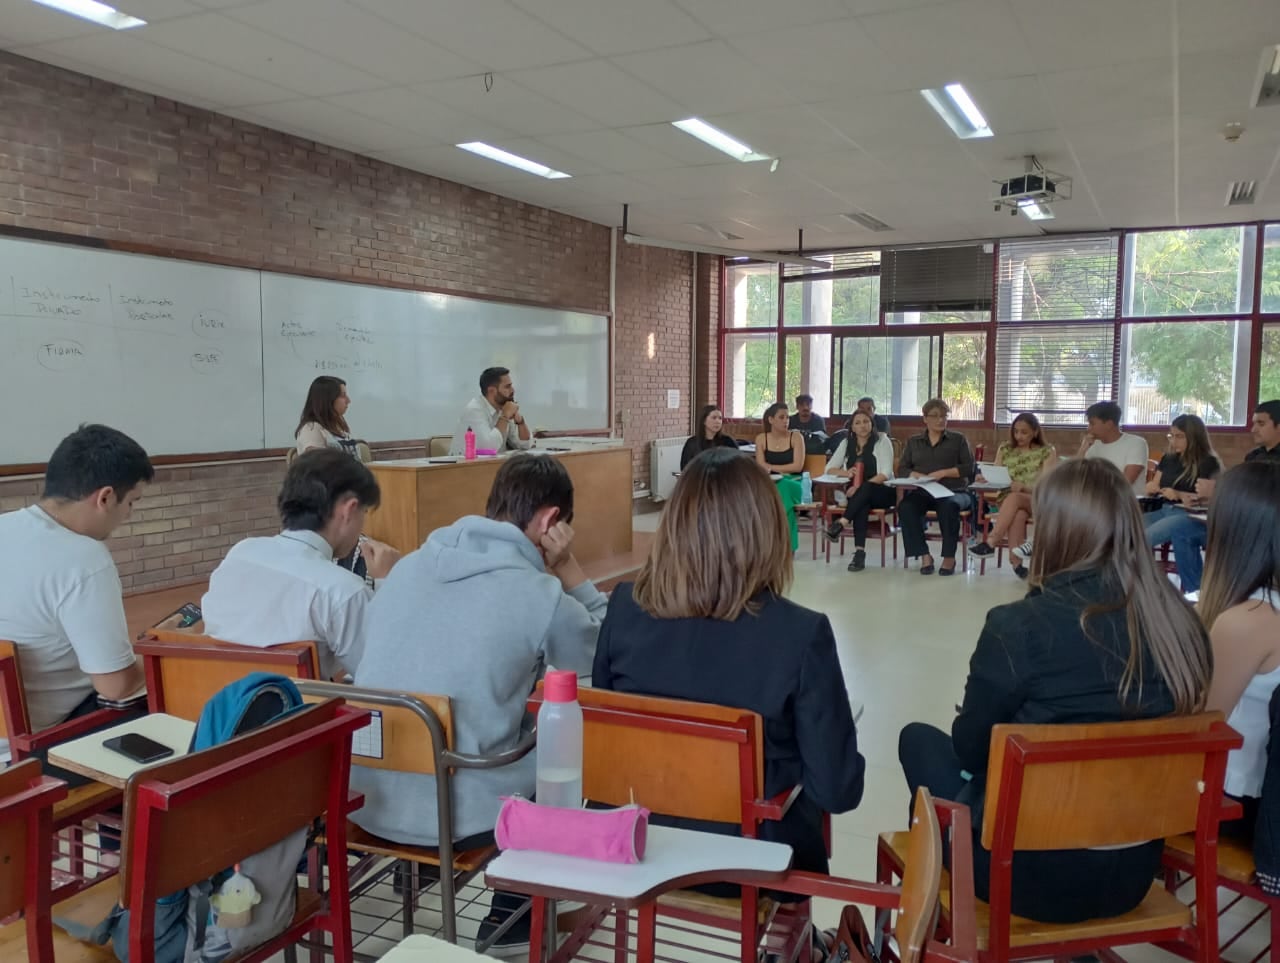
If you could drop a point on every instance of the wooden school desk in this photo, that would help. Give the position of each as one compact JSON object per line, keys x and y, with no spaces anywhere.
{"x":419,"y":496}
{"x":89,"y":757}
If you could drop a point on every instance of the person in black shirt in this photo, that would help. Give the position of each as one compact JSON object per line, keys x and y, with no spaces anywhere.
{"x":1189,"y":459}
{"x":874,"y":452}
{"x":879,"y":422}
{"x":1101,"y":637}
{"x":710,"y":435}
{"x":707,"y":620}
{"x":1266,"y":432}
{"x":805,"y":419}
{"x":778,"y":448}
{"x":943,"y":456}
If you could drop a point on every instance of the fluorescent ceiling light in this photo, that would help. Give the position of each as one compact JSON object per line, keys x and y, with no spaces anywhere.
{"x":97,"y":12}
{"x":512,"y":160}
{"x":1034,"y":210}
{"x":718,"y":139}
{"x":954,"y":105}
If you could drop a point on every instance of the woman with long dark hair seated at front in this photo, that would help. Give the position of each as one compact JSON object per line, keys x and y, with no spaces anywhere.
{"x":874,"y":452}
{"x":707,"y":620}
{"x":1102,"y":636}
{"x":710,"y":434}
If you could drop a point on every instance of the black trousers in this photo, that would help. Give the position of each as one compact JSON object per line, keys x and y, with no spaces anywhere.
{"x":911,"y":516}
{"x":1052,"y":886}
{"x":867,"y":498}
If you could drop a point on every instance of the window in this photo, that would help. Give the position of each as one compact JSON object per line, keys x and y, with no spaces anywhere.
{"x":849,"y":293}
{"x":1198,"y":272}
{"x":1056,"y":371}
{"x":1269,"y":384}
{"x":1057,"y":279}
{"x":1174,"y":368}
{"x":1271,"y":273}
{"x":808,"y":371}
{"x":936,"y":280}
{"x":750,"y":374}
{"x":899,"y":372}
{"x":938,"y":317}
{"x":964,"y":375}
{"x":751,"y":296}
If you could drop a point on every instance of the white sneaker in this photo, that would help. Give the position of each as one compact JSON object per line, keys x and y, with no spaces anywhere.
{"x":1022,"y":552}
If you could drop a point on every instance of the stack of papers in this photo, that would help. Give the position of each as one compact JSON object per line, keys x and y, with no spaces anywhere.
{"x":996,"y":477}
{"x":936,"y":489}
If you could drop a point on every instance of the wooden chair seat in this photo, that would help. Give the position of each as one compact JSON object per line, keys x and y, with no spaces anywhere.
{"x":468,"y":861}
{"x":1160,"y":909}
{"x":720,"y":907}
{"x":1235,"y":859}
{"x":88,"y":906}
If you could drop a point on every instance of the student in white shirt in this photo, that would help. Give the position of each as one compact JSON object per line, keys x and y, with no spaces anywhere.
{"x":323,"y":423}
{"x":1104,"y":439}
{"x":1240,"y":606}
{"x":285,"y":588}
{"x":61,"y":605}
{"x":493,"y":416}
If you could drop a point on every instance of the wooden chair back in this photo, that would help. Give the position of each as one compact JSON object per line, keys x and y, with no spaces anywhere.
{"x":301,"y":764}
{"x":364,"y":452}
{"x":921,"y":880}
{"x":409,"y":730}
{"x":815,"y":465}
{"x":26,"y":848}
{"x":1103,"y":784}
{"x":184,"y":671}
{"x":677,"y":758}
{"x":438,"y":445}
{"x":14,"y":719}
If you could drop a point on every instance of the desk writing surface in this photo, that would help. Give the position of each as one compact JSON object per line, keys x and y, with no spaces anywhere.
{"x":88,"y":757}
{"x":421,"y":948}
{"x":670,"y":854}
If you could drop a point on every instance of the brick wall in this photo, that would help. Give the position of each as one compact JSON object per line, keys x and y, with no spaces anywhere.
{"x":654,"y":308}
{"x":86,"y":157}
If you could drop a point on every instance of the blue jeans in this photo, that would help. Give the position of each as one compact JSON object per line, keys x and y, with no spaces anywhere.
{"x":1171,"y":524}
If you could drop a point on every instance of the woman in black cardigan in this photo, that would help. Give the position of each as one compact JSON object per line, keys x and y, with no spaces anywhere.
{"x":1101,"y":637}
{"x":710,"y":435}
{"x":706,"y":621}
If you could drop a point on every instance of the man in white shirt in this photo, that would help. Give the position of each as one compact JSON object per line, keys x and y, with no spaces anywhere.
{"x":1104,"y":439}
{"x":286,"y":588}
{"x":62,"y":605}
{"x":494,"y":417}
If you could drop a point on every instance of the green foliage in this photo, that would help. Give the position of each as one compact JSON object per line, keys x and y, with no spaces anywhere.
{"x":1269,"y":383}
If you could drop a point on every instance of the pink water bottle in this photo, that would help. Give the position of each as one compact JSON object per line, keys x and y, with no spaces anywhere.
{"x":469,"y":452}
{"x":858,"y":471}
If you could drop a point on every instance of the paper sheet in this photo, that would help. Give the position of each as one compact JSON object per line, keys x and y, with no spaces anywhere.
{"x":936,"y":489}
{"x":997,"y":476}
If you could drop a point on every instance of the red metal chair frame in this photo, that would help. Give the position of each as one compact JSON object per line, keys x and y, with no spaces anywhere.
{"x":27,"y":818}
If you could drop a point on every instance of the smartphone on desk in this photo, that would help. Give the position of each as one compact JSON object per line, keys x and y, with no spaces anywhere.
{"x":137,"y":747}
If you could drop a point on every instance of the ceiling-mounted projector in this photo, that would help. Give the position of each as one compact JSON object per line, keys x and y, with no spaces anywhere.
{"x":1033,"y":192}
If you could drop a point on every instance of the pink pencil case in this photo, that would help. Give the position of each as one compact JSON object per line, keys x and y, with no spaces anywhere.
{"x":611,"y":835}
{"x":486,"y":451}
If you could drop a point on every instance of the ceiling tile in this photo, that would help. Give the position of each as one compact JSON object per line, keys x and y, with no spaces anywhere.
{"x":1137,"y":90}
{"x":1205,"y":25}
{"x":158,"y":68}
{"x":1095,"y":33}
{"x":611,"y":150}
{"x":603,"y":92}
{"x":494,"y":33}
{"x":327,"y":123}
{"x":708,"y":78}
{"x":729,"y":18}
{"x":826,"y":60}
{"x":30,"y":23}
{"x":1219,"y":85}
{"x":777,"y":130}
{"x":236,"y":46}
{"x":507,"y":104}
{"x":673,"y":142}
{"x":609,"y":27}
{"x":349,"y":35}
{"x":409,"y":109}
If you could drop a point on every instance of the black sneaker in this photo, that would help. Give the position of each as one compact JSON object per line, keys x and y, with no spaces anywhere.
{"x":1021,"y":571}
{"x":832,"y":531}
{"x":859,"y":561}
{"x":982,"y":548}
{"x":514,"y":943}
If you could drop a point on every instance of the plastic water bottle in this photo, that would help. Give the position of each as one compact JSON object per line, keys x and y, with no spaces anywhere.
{"x":560,"y":742}
{"x":469,"y":440}
{"x":806,"y":488}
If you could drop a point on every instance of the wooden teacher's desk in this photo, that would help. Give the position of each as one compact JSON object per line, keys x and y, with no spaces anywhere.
{"x":420,"y":495}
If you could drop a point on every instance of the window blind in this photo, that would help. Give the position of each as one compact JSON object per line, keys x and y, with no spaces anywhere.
{"x":1057,"y":279}
{"x":1056,"y":371}
{"x":936,"y":279}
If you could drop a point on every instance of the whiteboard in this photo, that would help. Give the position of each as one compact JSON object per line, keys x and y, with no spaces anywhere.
{"x":192,"y":358}
{"x":412,"y":359}
{"x":169,"y":352}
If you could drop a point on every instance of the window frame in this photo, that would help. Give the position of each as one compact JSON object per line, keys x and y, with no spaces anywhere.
{"x":1254,"y":317}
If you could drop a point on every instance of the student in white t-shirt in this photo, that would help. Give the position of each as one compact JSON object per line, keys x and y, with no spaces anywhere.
{"x":285,"y":588}
{"x":62,"y":605}
{"x":1104,"y":439}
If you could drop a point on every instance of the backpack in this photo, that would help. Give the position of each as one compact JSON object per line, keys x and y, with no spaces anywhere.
{"x":187,"y":926}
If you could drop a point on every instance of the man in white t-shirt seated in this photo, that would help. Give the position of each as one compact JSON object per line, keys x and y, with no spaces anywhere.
{"x":493,"y":417}
{"x":61,"y":603}
{"x":286,"y":587}
{"x":1104,"y":439}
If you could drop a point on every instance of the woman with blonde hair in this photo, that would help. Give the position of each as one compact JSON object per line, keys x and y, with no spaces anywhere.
{"x":1240,"y":606}
{"x":1102,"y":636}
{"x":706,"y":620}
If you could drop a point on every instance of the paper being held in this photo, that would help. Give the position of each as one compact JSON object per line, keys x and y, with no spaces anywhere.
{"x":936,"y":489}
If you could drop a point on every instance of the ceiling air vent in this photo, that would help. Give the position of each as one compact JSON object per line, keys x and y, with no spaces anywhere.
{"x":863,"y":219}
{"x":1241,"y":193}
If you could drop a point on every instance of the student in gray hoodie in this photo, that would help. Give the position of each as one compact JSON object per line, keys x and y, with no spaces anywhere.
{"x":477,"y":613}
